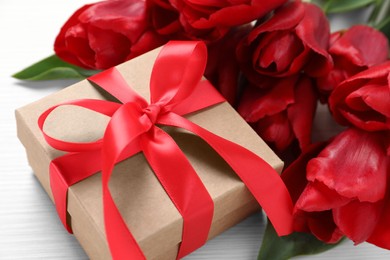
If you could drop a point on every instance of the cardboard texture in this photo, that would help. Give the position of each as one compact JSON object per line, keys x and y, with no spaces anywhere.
{"x":147,"y":210}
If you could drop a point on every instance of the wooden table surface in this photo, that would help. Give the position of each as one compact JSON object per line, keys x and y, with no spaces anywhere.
{"x":29,"y":226}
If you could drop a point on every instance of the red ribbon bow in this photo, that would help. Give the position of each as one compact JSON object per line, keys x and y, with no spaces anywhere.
{"x":176,"y":88}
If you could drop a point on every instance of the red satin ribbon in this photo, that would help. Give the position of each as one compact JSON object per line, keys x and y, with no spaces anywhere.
{"x":176,"y":89}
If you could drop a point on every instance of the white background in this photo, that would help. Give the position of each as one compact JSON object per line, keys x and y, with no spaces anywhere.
{"x":29,"y":227}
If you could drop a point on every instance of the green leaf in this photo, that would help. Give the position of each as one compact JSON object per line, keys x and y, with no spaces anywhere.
{"x":53,"y":68}
{"x":282,"y":248}
{"x":376,"y":11}
{"x":384,"y":27}
{"x":380,"y":15}
{"x":338,"y":6}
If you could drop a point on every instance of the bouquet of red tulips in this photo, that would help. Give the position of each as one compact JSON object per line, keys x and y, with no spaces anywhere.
{"x":274,"y":61}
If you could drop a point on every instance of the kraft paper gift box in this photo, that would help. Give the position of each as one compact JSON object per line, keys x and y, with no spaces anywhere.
{"x":148,"y":212}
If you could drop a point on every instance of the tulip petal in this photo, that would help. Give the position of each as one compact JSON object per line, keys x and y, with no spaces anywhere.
{"x":236,"y":13}
{"x":355,"y":100}
{"x":320,"y":224}
{"x":375,"y":97}
{"x":222,"y":66}
{"x":333,"y":79}
{"x":318,"y":197}
{"x":357,"y":220}
{"x":362,"y":45}
{"x":368,"y":107}
{"x":300,"y":60}
{"x":276,"y":129}
{"x":279,"y":53}
{"x":165,"y":18}
{"x":149,"y":40}
{"x":251,"y":50}
{"x":284,"y":18}
{"x":127,"y":18}
{"x":77,"y":46}
{"x":379,"y":71}
{"x":387,"y":144}
{"x":314,"y":32}
{"x":301,"y":112}
{"x":353,"y":164}
{"x":111,"y":48}
{"x":368,"y":120}
{"x":60,"y":44}
{"x":300,"y":221}
{"x":101,"y":35}
{"x":334,"y":37}
{"x":257,"y":103}
{"x":294,"y":176}
{"x":381,"y":235}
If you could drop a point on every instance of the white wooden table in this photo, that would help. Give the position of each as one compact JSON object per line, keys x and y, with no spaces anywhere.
{"x":29,"y":227}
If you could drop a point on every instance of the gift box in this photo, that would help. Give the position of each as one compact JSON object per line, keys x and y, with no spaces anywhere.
{"x":143,"y":203}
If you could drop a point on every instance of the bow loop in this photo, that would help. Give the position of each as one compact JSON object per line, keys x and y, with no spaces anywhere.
{"x":100,"y":106}
{"x":177,"y":71}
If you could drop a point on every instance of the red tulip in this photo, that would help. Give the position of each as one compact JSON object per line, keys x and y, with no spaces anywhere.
{"x":222,"y":66}
{"x":364,"y":99}
{"x":342,"y":188}
{"x":211,"y":20}
{"x":294,"y":39}
{"x":281,"y":113}
{"x":104,"y":34}
{"x":354,"y":50}
{"x":165,"y":18}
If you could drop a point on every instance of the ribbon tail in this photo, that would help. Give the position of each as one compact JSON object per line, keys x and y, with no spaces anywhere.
{"x":121,"y":135}
{"x":66,"y":171}
{"x":120,"y":239}
{"x":71,"y":168}
{"x":183,"y":186}
{"x":122,"y":243}
{"x":260,"y":178}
